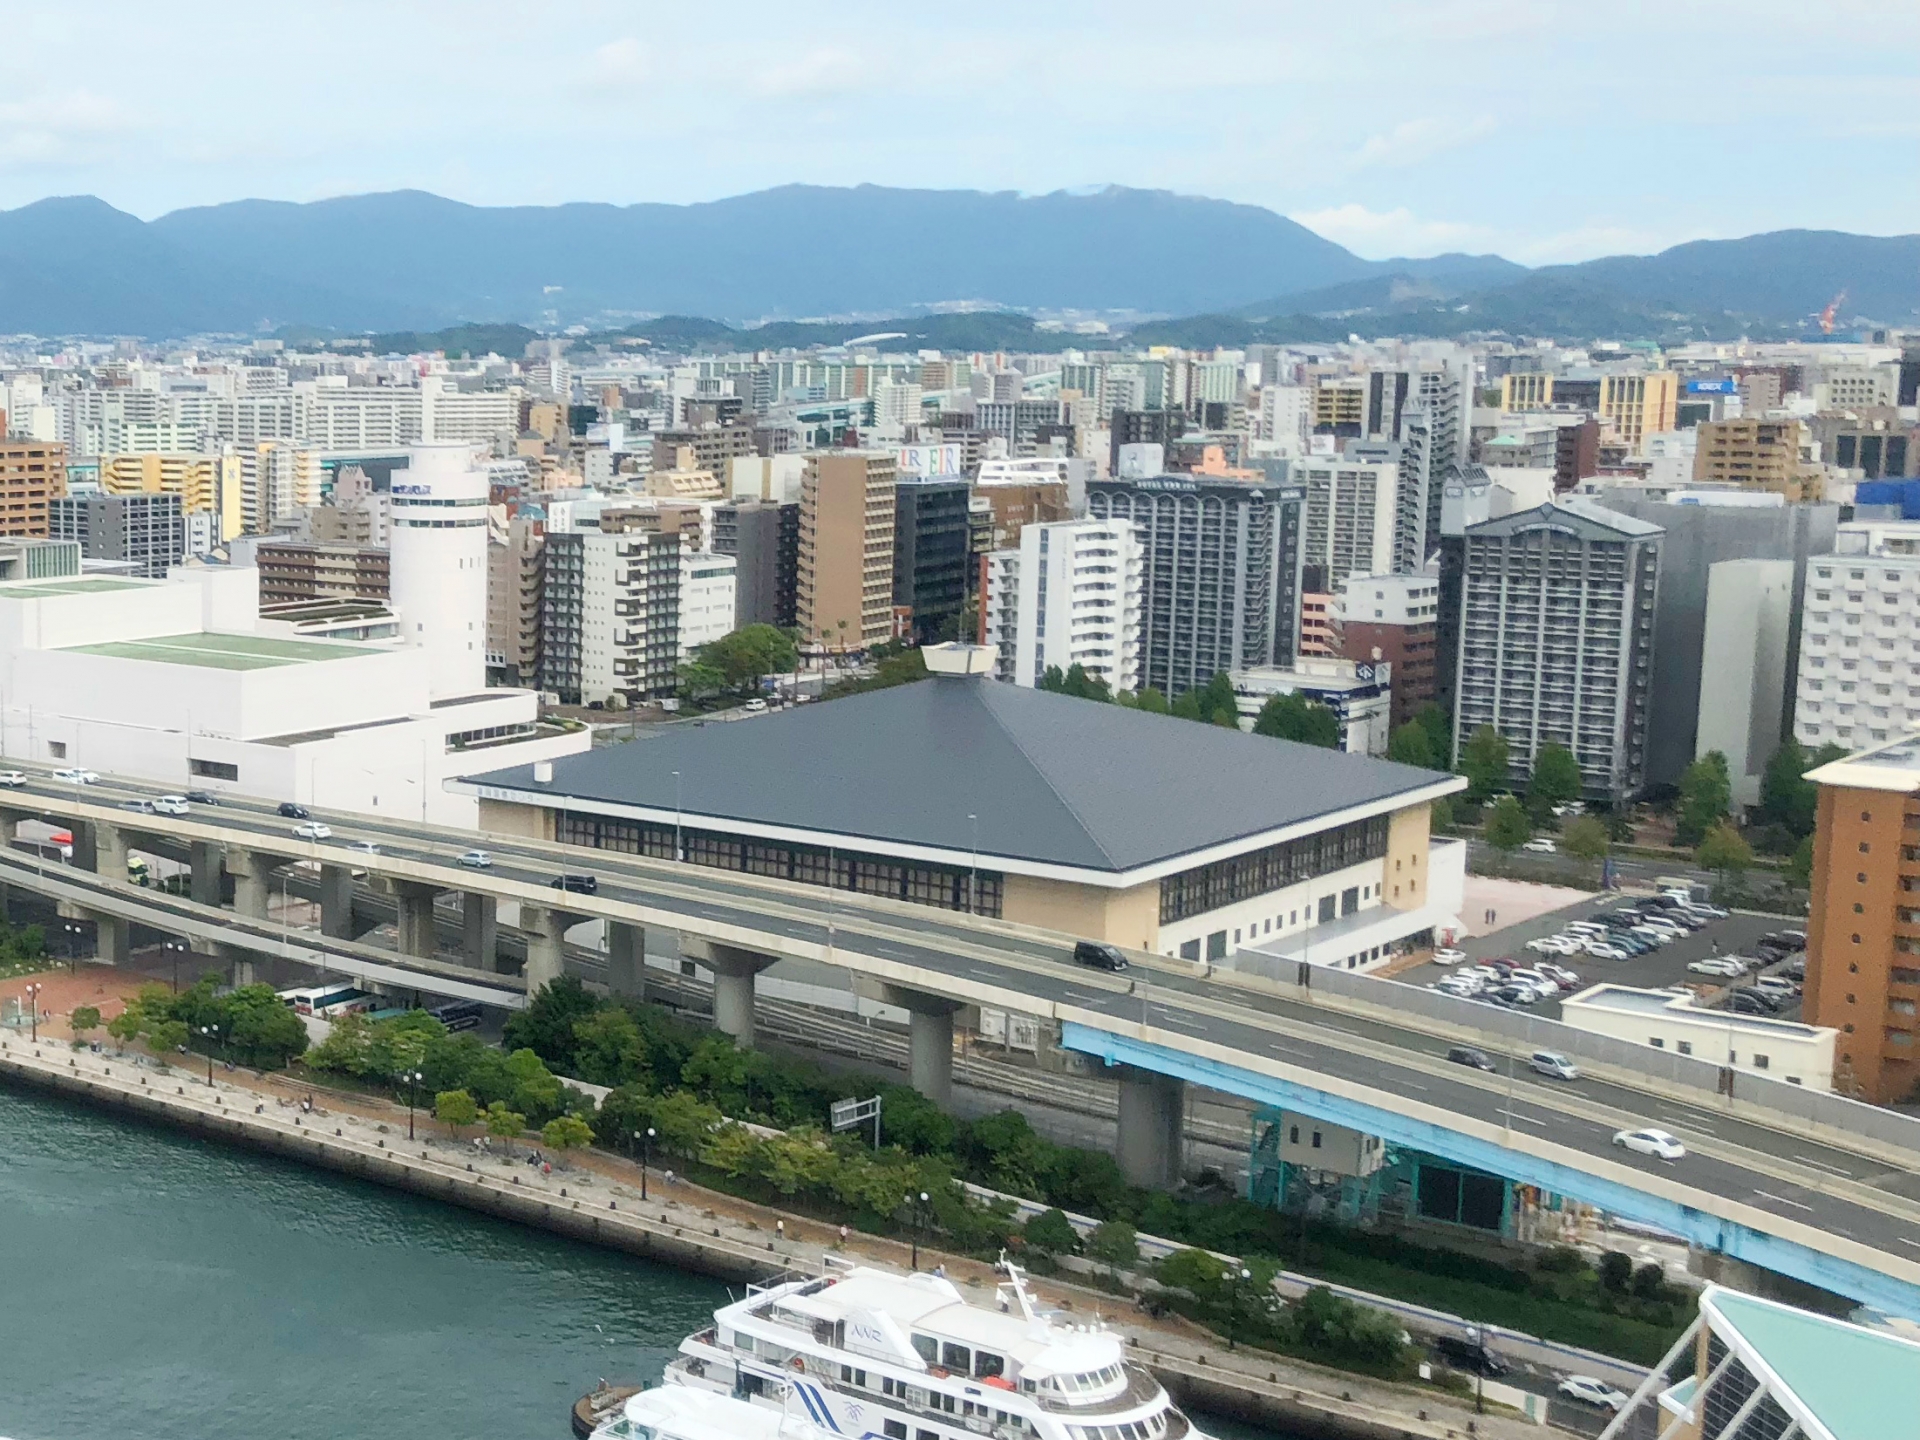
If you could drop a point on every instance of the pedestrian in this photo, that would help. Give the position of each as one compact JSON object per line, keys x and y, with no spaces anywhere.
{"x":843,"y":1237}
{"x":780,"y":1230}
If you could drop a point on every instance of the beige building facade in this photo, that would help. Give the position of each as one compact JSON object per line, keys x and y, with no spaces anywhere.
{"x":844,"y":586}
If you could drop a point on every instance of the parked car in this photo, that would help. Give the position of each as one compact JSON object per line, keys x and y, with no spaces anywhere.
{"x":170,"y":805}
{"x":1608,"y":951}
{"x":1717,"y":965}
{"x":1711,"y":912}
{"x":1590,"y":1391}
{"x":1467,"y":1055}
{"x":755,"y":706}
{"x":291,"y":811}
{"x":1553,"y":1064}
{"x":1449,"y":957}
{"x":1657,"y":1143}
{"x":1100,"y":955}
{"x":1777,"y":985}
{"x":476,"y":860}
{"x":76,"y":776}
{"x":578,"y":884}
{"x":1541,"y":846}
{"x":1745,"y":1001}
{"x":1470,"y":1355}
{"x":313,"y":830}
{"x":1553,"y":945}
{"x":13,"y":778}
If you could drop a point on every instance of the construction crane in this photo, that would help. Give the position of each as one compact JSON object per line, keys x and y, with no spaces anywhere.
{"x":1826,"y":315}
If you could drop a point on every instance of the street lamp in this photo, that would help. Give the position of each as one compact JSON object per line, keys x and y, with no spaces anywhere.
{"x":646,"y":1155}
{"x":174,"y":950}
{"x":413,"y":1079}
{"x":973,"y":871}
{"x":1239,"y":1300}
{"x":33,"y":1009}
{"x":210,"y":1033}
{"x":919,"y":1223}
{"x":678,"y":854}
{"x":72,"y":930}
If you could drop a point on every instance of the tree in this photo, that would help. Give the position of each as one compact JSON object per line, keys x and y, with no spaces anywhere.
{"x":1075,"y":681}
{"x":1483,"y":760}
{"x":1787,"y":797}
{"x":455,"y":1109}
{"x":546,"y":1026}
{"x":747,"y":655}
{"x":502,"y":1123}
{"x":608,"y":1048}
{"x":1585,"y":838}
{"x":566,"y":1132}
{"x":1616,"y":1272}
{"x":1432,"y":718}
{"x":1408,"y":745}
{"x":1724,"y":850}
{"x":84,"y":1020}
{"x":684,"y":1120}
{"x":1800,"y":866}
{"x":1115,"y":1243}
{"x":1217,"y":699}
{"x":1051,"y":1233}
{"x":1705,"y":793}
{"x":1295,"y":717}
{"x":697,"y":678}
{"x":1507,"y":826}
{"x":1151,"y":701}
{"x":165,"y":1037}
{"x":126,"y":1026}
{"x":1555,"y":778}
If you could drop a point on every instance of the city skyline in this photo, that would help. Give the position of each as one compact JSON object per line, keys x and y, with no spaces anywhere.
{"x":1544,"y":133}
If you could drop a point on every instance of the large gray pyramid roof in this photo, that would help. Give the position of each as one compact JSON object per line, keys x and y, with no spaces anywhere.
{"x":1051,"y":778}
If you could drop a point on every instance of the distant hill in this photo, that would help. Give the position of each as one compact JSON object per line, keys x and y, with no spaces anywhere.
{"x":962,"y":330}
{"x":409,"y":266}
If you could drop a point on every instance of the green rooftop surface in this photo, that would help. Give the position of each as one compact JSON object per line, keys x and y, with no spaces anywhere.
{"x":223,"y":652}
{"x":1861,"y":1384}
{"x":53,"y":589}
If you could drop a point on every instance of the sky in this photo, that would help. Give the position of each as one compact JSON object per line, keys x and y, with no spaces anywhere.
{"x":1542,"y":130}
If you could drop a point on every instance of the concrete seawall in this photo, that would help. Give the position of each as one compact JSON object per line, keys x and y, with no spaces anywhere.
{"x":1300,"y":1399}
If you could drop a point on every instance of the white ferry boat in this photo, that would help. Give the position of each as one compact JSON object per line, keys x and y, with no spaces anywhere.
{"x":679,"y":1412}
{"x":873,"y":1353}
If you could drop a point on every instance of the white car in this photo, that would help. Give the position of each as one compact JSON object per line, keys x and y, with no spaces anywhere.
{"x":313,"y":830}
{"x":77,"y":777}
{"x":1657,"y":1143}
{"x":13,"y":778}
{"x":1449,"y":957}
{"x":170,"y":805}
{"x":1590,"y":1391}
{"x":476,"y":860}
{"x":1554,"y":945}
{"x":1600,"y":950}
{"x":1542,"y":846}
{"x":1728,"y":968}
{"x":754,"y":707}
{"x":363,"y":847}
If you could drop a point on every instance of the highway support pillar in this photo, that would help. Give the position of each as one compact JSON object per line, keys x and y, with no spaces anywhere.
{"x":929,"y":1040}
{"x":545,"y":930}
{"x":204,"y":883}
{"x":110,"y":945}
{"x":733,"y":971}
{"x":480,"y":931}
{"x":626,"y":959}
{"x":336,"y":902}
{"x":1152,"y":1127}
{"x":109,"y":851}
{"x":85,"y":855}
{"x":413,"y":907}
{"x":252,"y":874}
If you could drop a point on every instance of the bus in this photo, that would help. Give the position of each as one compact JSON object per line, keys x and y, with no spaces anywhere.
{"x":326,"y":1000}
{"x":458,"y":1014}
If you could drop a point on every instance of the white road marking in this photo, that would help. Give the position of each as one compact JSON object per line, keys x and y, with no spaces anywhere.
{"x":1822,"y":1165}
{"x":1526,"y":1119}
{"x":1781,"y":1199}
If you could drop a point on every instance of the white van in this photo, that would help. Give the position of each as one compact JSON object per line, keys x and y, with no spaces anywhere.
{"x":1554,"y":1065}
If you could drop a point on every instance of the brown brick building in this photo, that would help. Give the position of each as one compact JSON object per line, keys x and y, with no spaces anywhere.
{"x":1863,"y":931}
{"x":1393,"y":618}
{"x":33,"y":474}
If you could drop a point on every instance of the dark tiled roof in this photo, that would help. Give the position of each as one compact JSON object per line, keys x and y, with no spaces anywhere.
{"x":1051,"y":778}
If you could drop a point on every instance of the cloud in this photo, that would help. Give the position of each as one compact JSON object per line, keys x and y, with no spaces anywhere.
{"x":619,"y":64}
{"x":1588,"y":242}
{"x":821,"y":72}
{"x":1381,"y":234}
{"x":75,"y":127}
{"x":1414,"y":141}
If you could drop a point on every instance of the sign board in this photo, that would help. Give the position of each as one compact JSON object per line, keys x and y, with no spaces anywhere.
{"x":847,"y":1114}
{"x":1712,"y":387}
{"x":929,"y":461}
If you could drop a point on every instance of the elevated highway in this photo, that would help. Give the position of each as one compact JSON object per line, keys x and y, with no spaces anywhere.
{"x":1814,"y":1202}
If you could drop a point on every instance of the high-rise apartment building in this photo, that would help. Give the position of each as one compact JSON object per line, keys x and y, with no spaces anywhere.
{"x":207,"y":484}
{"x":764,"y":539}
{"x":1859,"y":672}
{"x":706,"y":598}
{"x":1351,"y":510}
{"x":295,"y":570}
{"x":1757,"y":454}
{"x":1556,"y":640}
{"x":930,"y":554}
{"x":1222,"y":573}
{"x":33,"y":473}
{"x":513,"y":601}
{"x":146,"y":531}
{"x":1639,"y":404}
{"x":1143,"y":427}
{"x":1863,"y":925}
{"x":844,"y":574}
{"x":1017,"y":503}
{"x":1069,"y":595}
{"x":1392,"y":618}
{"x":610,"y":611}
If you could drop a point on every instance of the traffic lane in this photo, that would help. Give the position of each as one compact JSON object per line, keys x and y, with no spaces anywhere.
{"x":1728,"y":1179}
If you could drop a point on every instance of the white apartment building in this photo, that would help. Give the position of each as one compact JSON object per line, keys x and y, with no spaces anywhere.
{"x":1070,"y":595}
{"x":1859,"y":680}
{"x":1286,"y":418}
{"x":707,"y":584}
{"x":1388,"y":599}
{"x":1852,"y":387}
{"x":1350,"y":513}
{"x":1743,"y":667}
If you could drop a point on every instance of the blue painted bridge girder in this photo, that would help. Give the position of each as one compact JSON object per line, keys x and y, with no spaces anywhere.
{"x":1698,"y":1227}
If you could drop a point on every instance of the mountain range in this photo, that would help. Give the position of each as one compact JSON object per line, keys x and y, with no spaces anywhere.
{"x":411,"y":261}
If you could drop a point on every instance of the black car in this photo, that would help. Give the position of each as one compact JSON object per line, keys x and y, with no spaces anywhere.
{"x":1471,"y":1356}
{"x":1745,"y":1001}
{"x":1100,"y":955}
{"x":1467,"y":1055}
{"x":579,"y":884}
{"x":200,"y":797}
{"x":292,"y":811}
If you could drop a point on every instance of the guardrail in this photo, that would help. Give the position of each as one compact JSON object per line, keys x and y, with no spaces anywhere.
{"x":1527,"y":1033}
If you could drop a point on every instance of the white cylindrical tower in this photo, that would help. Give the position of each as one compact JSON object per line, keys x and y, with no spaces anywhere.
{"x":439,"y":564}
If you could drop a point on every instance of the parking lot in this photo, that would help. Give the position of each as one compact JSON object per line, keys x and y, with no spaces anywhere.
{"x":1658,"y":968}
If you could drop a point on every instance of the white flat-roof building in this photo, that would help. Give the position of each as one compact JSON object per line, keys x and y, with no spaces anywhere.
{"x":1358,"y":692}
{"x":1665,"y":1020}
{"x":1070,"y":595}
{"x":1859,"y":680}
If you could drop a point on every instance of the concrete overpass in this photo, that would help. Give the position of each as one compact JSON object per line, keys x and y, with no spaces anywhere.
{"x":1837,"y":1210}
